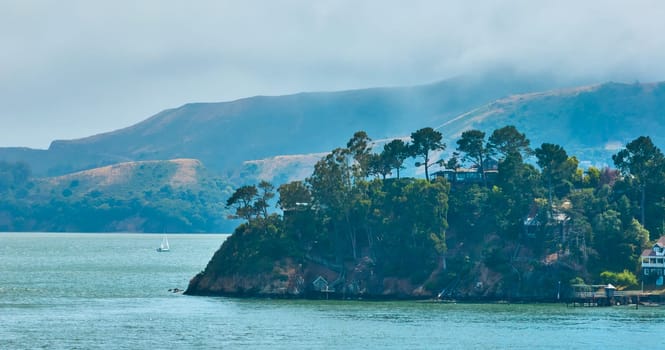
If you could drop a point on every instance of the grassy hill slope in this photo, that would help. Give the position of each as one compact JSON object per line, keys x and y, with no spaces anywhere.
{"x":150,"y":196}
{"x":592,"y":122}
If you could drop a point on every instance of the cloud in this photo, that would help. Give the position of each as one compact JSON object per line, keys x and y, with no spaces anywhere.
{"x":75,"y":68}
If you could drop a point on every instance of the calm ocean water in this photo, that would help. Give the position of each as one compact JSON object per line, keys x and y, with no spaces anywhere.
{"x":110,"y":291}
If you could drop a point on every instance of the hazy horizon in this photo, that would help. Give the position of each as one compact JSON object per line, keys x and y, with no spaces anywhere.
{"x":73,"y":69}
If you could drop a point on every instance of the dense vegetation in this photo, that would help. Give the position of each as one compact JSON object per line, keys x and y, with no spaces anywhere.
{"x":143,"y":200}
{"x":528,"y":210}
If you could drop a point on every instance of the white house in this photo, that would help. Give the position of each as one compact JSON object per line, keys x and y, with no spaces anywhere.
{"x":653,"y":260}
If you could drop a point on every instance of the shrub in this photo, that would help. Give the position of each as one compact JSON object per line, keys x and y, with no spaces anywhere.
{"x":619,"y":279}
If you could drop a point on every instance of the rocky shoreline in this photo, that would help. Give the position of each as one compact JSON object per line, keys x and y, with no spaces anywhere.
{"x":289,"y":279}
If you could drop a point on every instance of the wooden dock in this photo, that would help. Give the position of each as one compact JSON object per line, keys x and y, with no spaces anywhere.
{"x":601,"y":295}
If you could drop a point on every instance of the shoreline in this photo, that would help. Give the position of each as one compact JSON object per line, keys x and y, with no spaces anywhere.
{"x":572,"y":303}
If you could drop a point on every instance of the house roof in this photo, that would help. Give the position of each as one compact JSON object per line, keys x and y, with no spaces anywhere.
{"x":661,"y":242}
{"x":648,"y":252}
{"x":651,"y":252}
{"x":320,"y":280}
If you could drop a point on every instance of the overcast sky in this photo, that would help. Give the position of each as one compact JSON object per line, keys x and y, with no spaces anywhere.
{"x":71,"y":69}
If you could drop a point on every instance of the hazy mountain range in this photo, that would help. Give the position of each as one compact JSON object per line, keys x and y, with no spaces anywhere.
{"x":279,"y":137}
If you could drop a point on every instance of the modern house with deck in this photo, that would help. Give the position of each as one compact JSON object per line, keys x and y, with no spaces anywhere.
{"x":463,"y":176}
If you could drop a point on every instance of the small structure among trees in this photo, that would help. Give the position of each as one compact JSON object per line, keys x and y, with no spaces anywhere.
{"x":468,"y":176}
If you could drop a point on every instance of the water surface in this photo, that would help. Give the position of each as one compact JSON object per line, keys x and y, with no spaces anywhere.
{"x":110,"y":291}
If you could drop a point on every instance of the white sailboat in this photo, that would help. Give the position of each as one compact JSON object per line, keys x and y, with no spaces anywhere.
{"x":164,"y":246}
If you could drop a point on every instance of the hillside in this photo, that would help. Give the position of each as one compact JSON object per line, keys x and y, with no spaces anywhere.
{"x":176,"y":173}
{"x":280,"y":138}
{"x":223,"y":135}
{"x":149,"y":196}
{"x":592,"y":122}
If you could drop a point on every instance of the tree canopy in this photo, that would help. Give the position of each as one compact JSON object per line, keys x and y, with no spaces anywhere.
{"x":424,"y":141}
{"x":406,"y":226}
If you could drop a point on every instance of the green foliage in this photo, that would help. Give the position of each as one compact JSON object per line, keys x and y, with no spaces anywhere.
{"x":519,"y":185}
{"x":13,"y":176}
{"x":359,"y":146}
{"x":557,"y":168}
{"x":243,"y":201}
{"x":253,"y":248}
{"x":507,"y":141}
{"x":144,"y":200}
{"x":423,"y":142}
{"x":340,"y":215}
{"x":577,"y":280}
{"x":472,"y":144}
{"x":394,"y":153}
{"x":645,"y":164}
{"x":624,"y":279}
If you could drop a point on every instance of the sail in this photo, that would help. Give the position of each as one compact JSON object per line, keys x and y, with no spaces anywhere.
{"x":164,"y":246}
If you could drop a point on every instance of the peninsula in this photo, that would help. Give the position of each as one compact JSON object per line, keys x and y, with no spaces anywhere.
{"x":496,"y":220}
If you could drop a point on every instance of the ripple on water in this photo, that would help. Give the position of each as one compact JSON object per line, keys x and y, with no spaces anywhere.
{"x":111,"y":291}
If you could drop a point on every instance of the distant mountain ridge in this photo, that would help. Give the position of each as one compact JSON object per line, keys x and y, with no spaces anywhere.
{"x":279,"y":137}
{"x":590,"y":122}
{"x":223,"y":135}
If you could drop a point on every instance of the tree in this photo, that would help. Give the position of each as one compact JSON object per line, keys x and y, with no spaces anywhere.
{"x":619,"y":244}
{"x":262,"y":202}
{"x":592,"y":178}
{"x":507,"y":140}
{"x":519,"y":183}
{"x":293,"y":194}
{"x":424,"y":141}
{"x":331,"y":184}
{"x":645,"y":163}
{"x":472,"y":143}
{"x":243,"y":201}
{"x":331,"y":180}
{"x":359,"y":146}
{"x":295,"y":200}
{"x":621,"y":279}
{"x":516,"y":179}
{"x":453,"y":162}
{"x":379,"y":165}
{"x":394,"y":153}
{"x":555,"y":165}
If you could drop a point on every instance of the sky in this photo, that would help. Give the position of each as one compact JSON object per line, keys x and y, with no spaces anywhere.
{"x":70,"y":69}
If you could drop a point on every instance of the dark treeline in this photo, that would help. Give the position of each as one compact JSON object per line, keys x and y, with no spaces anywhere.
{"x":494,"y":202}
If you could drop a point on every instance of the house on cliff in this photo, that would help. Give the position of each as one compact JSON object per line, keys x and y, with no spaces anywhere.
{"x":556,"y":218}
{"x":464,"y":176}
{"x":653,"y":261}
